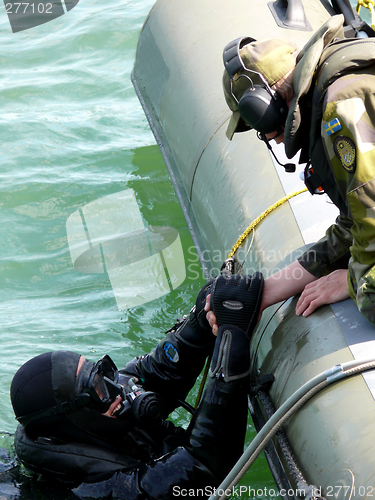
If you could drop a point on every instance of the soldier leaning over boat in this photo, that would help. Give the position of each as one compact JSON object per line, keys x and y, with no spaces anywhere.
{"x":319,"y":101}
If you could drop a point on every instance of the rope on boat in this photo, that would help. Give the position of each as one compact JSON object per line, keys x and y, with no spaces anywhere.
{"x":367,"y":4}
{"x":229,"y":264}
{"x":259,"y":219}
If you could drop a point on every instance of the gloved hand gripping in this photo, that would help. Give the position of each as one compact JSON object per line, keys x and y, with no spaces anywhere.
{"x":236,"y":300}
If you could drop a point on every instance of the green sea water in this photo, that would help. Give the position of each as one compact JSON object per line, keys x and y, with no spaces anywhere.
{"x":72,"y":131}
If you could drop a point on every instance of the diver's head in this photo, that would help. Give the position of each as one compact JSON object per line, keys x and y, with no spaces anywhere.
{"x":61,"y":393}
{"x":253,"y":70}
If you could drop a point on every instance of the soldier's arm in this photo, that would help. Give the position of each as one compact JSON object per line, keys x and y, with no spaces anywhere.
{"x":331,"y":252}
{"x":351,"y":153}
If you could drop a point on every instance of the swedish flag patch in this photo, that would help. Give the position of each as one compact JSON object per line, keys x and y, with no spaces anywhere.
{"x":332,"y":127}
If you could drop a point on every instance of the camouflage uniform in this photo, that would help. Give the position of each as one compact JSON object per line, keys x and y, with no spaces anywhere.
{"x":331,"y":121}
{"x":340,"y":143}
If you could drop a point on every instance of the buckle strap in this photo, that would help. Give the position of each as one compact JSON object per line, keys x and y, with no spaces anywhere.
{"x":231,"y":55}
{"x":312,"y":181}
{"x":64,"y":407}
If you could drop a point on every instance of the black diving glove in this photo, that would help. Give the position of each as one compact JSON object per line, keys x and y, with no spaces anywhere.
{"x":231,"y":357}
{"x":236,"y":300}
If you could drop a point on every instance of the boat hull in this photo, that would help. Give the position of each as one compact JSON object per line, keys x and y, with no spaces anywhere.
{"x":223,"y":186}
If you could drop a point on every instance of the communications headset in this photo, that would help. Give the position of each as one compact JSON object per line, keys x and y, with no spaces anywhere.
{"x":260,"y":107}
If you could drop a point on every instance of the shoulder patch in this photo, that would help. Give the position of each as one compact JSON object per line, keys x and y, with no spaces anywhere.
{"x":346,"y":152}
{"x":332,"y":127}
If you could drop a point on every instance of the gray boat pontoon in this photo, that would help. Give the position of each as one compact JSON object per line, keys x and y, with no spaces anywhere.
{"x":223,"y":186}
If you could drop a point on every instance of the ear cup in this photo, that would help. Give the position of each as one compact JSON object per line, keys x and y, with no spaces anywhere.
{"x":264,"y":112}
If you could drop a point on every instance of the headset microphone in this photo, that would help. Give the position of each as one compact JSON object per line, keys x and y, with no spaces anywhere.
{"x":289,"y":167}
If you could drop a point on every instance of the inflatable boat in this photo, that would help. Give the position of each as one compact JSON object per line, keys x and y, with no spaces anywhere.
{"x":307,"y":385}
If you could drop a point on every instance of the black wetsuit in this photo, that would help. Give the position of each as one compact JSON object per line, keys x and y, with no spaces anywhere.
{"x":159,"y":462}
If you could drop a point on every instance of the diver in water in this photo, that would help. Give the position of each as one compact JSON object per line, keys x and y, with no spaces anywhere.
{"x":104,"y":431}
{"x":319,"y":101}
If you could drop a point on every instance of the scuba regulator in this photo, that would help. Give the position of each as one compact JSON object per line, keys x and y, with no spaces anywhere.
{"x":145,"y":406}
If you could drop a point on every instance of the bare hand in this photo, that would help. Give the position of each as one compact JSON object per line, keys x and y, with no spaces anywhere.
{"x":326,"y":290}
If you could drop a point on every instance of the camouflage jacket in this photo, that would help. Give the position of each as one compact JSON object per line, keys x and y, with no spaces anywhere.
{"x":340,"y":144}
